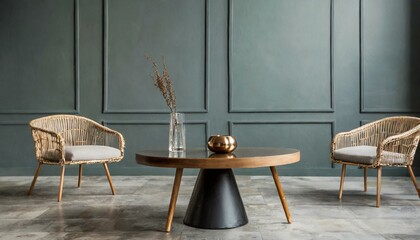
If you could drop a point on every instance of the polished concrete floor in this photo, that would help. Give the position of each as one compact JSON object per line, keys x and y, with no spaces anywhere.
{"x":139,"y":209}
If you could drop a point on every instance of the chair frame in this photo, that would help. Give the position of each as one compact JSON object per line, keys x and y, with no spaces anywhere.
{"x":402,"y":137}
{"x":52,"y":133}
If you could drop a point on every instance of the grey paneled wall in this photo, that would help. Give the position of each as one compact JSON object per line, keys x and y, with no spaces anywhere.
{"x":134,"y":29}
{"x":277,"y":55}
{"x":17,"y":150}
{"x":389,"y":56}
{"x":286,"y":73}
{"x":36,"y":38}
{"x":289,"y":134}
{"x":150,"y":135}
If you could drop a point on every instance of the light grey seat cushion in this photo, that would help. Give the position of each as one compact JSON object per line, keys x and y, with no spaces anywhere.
{"x":357,"y":154}
{"x":90,"y":152}
{"x":367,"y":155}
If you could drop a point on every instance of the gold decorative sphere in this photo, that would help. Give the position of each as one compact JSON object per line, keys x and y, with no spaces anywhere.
{"x":221,"y":144}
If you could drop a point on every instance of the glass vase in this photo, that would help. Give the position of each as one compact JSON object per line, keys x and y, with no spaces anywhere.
{"x":177,"y":132}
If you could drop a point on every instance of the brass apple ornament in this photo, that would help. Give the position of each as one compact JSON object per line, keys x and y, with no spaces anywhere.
{"x":221,"y":144}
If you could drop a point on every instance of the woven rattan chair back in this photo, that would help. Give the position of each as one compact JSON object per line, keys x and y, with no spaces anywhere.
{"x":75,"y":130}
{"x":396,"y":140}
{"x":52,"y":134}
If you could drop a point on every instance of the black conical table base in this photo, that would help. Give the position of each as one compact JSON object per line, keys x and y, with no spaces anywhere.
{"x":215,"y":202}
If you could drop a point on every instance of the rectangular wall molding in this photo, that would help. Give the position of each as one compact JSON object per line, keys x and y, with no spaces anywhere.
{"x":151,"y":122}
{"x":76,"y":68}
{"x":231,"y":98}
{"x":14,"y":123}
{"x":106,"y":96}
{"x":110,"y":123}
{"x":383,"y":68}
{"x":19,"y":153}
{"x":313,"y":141}
{"x":330,"y":122}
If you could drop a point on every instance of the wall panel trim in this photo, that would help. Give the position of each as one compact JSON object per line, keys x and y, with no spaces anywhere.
{"x":330,"y":122}
{"x":107,"y":109}
{"x":230,"y":47}
{"x":76,"y":51}
{"x":15,"y":123}
{"x":363,"y":108}
{"x":110,"y":122}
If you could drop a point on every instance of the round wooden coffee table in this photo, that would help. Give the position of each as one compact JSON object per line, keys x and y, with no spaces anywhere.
{"x":216,"y":202}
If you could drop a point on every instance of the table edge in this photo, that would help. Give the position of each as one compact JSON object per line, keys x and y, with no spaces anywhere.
{"x":219,"y":163}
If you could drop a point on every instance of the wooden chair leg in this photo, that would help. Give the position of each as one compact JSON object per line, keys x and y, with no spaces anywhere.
{"x":413,"y":178}
{"x":79,"y":182}
{"x":60,"y":190}
{"x":365,"y":171}
{"x":35,"y":178}
{"x":378,"y":187}
{"x":343,"y":174}
{"x":281,"y":194}
{"x":109,"y":178}
{"x":174,"y":196}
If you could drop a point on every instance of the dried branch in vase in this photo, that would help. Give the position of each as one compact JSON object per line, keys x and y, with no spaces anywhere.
{"x":163,"y":82}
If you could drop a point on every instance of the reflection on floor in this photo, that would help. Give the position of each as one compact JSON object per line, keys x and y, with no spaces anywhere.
{"x":139,"y":209}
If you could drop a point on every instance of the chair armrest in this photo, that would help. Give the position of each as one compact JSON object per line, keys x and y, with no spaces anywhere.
{"x":49,"y":145}
{"x":107,"y":136}
{"x":355,"y":137}
{"x":404,"y":143}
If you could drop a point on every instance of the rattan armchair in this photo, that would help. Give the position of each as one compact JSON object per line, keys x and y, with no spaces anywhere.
{"x":74,"y":140}
{"x":390,"y":142}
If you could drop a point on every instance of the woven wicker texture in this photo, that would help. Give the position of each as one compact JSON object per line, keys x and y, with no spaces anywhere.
{"x":390,"y":135}
{"x":52,"y":133}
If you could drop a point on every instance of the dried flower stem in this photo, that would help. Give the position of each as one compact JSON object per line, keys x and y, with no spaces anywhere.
{"x":163,"y":82}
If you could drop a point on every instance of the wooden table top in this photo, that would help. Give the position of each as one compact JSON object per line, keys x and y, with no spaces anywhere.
{"x":203,"y":158}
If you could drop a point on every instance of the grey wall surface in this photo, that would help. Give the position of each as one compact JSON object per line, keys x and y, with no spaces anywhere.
{"x":289,"y":73}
